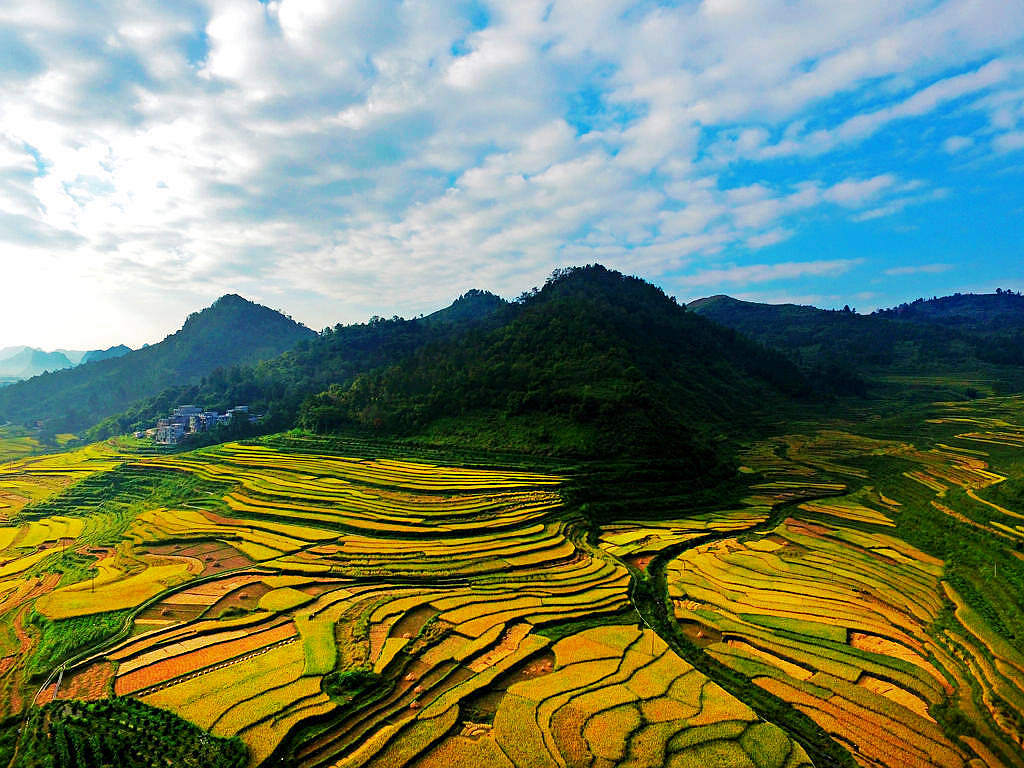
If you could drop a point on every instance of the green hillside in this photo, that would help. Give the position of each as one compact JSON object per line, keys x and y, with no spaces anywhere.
{"x":595,"y":363}
{"x":279,"y":385}
{"x":845,"y":351}
{"x":967,"y":311}
{"x":233,"y":331}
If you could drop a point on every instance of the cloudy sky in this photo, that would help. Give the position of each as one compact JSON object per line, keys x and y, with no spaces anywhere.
{"x":342,"y":158}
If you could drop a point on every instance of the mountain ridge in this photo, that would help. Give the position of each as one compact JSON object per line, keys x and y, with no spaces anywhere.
{"x":376,"y":375}
{"x":24,"y":362}
{"x":116,"y":350}
{"x":1003,"y":309}
{"x":29,"y":361}
{"x":564,"y":369}
{"x":844,"y":345}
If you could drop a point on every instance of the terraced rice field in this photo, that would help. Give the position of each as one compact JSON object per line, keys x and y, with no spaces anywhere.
{"x":617,"y":695}
{"x":35,"y":478}
{"x":434,"y":578}
{"x":833,"y":620}
{"x":342,"y":611}
{"x":832,"y":612}
{"x":16,"y":443}
{"x":436,"y":582}
{"x":37,"y":550}
{"x":636,"y":540}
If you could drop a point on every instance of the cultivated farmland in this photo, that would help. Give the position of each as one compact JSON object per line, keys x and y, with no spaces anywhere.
{"x":831,"y":611}
{"x":855,"y":599}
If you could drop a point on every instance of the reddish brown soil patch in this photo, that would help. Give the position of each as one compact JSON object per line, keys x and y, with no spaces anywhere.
{"x":534,"y":667}
{"x":640,"y":562}
{"x":806,"y":528}
{"x":318,"y":588}
{"x":200,"y":659}
{"x":46,"y":694}
{"x":90,"y":683}
{"x":16,"y":701}
{"x":216,"y":556}
{"x":24,"y":639}
{"x":163,"y":613}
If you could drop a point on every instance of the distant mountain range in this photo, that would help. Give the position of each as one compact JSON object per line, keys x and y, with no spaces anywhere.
{"x":594,"y":363}
{"x":974,"y":327}
{"x":959,"y":334}
{"x":17,"y":363}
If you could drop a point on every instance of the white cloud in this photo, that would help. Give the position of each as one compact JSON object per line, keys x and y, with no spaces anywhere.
{"x":1009,"y":142}
{"x":955,"y":144}
{"x":765,"y":239}
{"x":855,"y":193}
{"x":918,"y":269}
{"x":763,"y":273}
{"x":922,"y":102}
{"x":897,"y":204}
{"x":381,"y":156}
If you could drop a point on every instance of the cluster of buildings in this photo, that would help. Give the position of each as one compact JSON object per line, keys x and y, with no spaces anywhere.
{"x":190,"y":419}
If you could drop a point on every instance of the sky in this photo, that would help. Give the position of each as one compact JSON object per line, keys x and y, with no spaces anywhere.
{"x":337,"y":159}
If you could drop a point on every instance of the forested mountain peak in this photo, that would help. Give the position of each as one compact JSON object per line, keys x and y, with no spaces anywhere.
{"x":232,"y":331}
{"x":710,"y":300}
{"x":473,"y":305}
{"x":239,"y":314}
{"x":592,"y":362}
{"x":597,"y":282}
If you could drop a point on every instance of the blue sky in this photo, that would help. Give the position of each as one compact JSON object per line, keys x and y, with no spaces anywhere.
{"x":341,"y":159}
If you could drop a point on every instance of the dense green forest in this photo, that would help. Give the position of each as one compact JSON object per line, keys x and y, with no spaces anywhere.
{"x":1001,"y":310}
{"x":594,"y":363}
{"x":119,"y":732}
{"x":278,"y":386}
{"x":994,"y":322}
{"x":962,"y":333}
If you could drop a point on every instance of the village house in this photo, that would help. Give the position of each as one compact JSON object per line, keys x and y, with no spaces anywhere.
{"x":191,"y":419}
